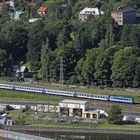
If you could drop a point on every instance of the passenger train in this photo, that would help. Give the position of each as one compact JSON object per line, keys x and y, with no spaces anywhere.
{"x":68,"y":93}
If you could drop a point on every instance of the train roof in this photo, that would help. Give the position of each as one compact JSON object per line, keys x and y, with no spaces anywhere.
{"x":121,"y":97}
{"x":74,"y":101}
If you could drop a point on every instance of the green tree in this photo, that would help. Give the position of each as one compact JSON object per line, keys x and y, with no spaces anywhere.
{"x":5,"y":63}
{"x":78,"y":70}
{"x":45,"y":60}
{"x":85,"y":68}
{"x":103,"y":68}
{"x":123,"y":67}
{"x":136,"y":81}
{"x":68,"y":53}
{"x":64,"y":35}
{"x":19,"y":44}
{"x":37,"y":36}
{"x":88,"y":69}
{"x":115,"y":115}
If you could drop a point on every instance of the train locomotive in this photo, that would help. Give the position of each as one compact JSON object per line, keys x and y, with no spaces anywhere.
{"x":68,"y":93}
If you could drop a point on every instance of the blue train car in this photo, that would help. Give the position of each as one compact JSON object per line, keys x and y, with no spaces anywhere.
{"x":7,"y":86}
{"x":68,"y":93}
{"x":121,"y":99}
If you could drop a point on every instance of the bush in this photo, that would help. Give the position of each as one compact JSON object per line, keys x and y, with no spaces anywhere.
{"x":115,"y":115}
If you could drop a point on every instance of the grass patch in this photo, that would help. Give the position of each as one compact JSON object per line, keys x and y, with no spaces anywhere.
{"x":22,"y":96}
{"x":105,"y":125}
{"x":30,"y":120}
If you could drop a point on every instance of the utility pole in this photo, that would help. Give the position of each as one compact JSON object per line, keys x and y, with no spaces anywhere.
{"x":61,"y":71}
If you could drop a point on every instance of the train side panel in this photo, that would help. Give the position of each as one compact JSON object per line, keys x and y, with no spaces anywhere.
{"x":121,"y":99}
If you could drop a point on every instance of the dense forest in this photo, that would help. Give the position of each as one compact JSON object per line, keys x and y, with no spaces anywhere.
{"x":97,"y":52}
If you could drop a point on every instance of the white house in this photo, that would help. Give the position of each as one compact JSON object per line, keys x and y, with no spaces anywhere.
{"x":86,"y":12}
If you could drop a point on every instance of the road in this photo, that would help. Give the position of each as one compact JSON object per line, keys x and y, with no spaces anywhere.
{"x":134,"y":114}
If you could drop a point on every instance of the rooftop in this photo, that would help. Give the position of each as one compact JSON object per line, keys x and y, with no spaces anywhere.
{"x":18,"y":12}
{"x":42,"y":9}
{"x":124,"y":9}
{"x":91,"y":11}
{"x":31,"y":20}
{"x":74,"y":101}
{"x":92,"y":111}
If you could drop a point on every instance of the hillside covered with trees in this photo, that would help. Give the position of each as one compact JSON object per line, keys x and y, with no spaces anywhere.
{"x":97,"y":52}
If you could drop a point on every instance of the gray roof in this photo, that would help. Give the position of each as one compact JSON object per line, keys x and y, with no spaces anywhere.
{"x":74,"y":101}
{"x":124,"y":9}
{"x":92,"y":111}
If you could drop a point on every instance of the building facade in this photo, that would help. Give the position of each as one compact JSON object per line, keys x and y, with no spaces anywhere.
{"x":77,"y":108}
{"x":124,"y":15}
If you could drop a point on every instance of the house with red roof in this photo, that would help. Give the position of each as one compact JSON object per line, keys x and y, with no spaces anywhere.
{"x":42,"y":11}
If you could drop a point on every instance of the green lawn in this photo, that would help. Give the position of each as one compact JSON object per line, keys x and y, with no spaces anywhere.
{"x":22,"y":96}
{"x":124,"y":127}
{"x":105,"y":125}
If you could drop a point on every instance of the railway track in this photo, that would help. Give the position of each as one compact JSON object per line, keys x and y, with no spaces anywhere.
{"x":95,"y":103}
{"x":107,"y":105}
